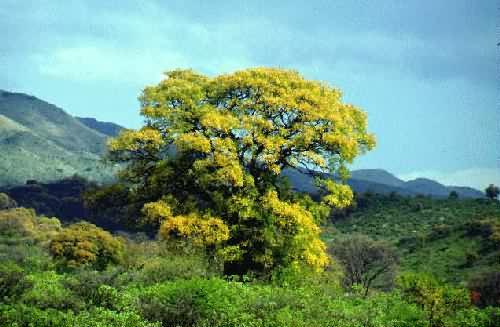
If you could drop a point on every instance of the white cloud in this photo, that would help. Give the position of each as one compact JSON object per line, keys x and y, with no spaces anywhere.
{"x":478,"y":178}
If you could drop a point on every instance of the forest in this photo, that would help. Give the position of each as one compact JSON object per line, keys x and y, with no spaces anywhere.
{"x":201,"y":228}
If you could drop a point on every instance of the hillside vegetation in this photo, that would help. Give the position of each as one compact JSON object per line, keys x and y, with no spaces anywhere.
{"x":453,"y":239}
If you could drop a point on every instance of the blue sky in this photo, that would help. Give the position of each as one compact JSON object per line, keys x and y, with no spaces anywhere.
{"x":426,"y":72}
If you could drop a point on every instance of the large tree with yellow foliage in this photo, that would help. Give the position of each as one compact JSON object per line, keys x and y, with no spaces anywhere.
{"x":207,"y":164}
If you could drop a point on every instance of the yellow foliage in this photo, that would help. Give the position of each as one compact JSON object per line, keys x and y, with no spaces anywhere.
{"x":295,"y":219}
{"x":86,"y":244}
{"x":193,"y":142}
{"x":156,"y":212}
{"x":221,"y":121}
{"x":146,"y":138}
{"x":201,"y":231}
{"x":339,"y":195}
{"x":233,"y":135}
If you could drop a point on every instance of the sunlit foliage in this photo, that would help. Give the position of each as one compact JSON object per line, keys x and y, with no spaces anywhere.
{"x":85,"y":244}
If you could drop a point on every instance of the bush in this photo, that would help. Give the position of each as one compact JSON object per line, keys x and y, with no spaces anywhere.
{"x":13,"y":282}
{"x":85,"y":244}
{"x":438,"y":300}
{"x":48,"y":292}
{"x":93,"y":286}
{"x":25,"y":316}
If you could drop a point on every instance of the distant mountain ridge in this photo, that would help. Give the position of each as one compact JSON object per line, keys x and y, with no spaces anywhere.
{"x":383,"y":182}
{"x":106,"y":128}
{"x":41,"y":141}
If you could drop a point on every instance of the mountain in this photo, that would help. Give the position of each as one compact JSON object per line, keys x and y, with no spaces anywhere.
{"x":382,"y":182}
{"x":378,"y":176}
{"x":106,"y":128}
{"x":466,"y":192}
{"x":427,"y":186}
{"x":42,"y":142}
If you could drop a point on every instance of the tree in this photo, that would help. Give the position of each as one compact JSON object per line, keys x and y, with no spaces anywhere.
{"x":207,"y":163}
{"x":366,"y":262}
{"x":453,"y":195}
{"x":492,"y":191}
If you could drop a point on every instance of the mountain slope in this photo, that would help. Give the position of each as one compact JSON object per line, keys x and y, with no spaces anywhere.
{"x":40,"y":141}
{"x":106,"y":128}
{"x":50,"y":122}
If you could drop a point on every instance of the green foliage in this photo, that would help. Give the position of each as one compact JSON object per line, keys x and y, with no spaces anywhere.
{"x":436,"y":299}
{"x":452,"y":239}
{"x":13,"y":281}
{"x":219,"y":303}
{"x":26,"y":316}
{"x":48,"y":291}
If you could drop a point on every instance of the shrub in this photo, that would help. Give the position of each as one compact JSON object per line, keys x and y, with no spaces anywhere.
{"x":13,"y":281}
{"x":85,"y":244}
{"x":93,"y":286}
{"x":48,"y":291}
{"x":436,"y":299}
{"x":25,"y":316}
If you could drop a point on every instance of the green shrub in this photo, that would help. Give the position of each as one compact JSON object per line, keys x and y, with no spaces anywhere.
{"x":48,"y":291}
{"x":26,"y":316}
{"x":175,"y":266}
{"x":438,"y":300}
{"x":13,"y":282}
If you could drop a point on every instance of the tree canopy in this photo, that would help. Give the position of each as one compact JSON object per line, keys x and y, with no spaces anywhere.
{"x":492,"y":191}
{"x":207,"y":164}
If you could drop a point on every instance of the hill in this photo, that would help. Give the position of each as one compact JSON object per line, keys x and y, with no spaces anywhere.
{"x":106,"y":128}
{"x":41,"y":141}
{"x":452,"y":239}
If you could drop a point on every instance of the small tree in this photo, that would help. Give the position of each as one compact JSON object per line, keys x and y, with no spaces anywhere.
{"x":453,"y":195}
{"x":492,"y":191}
{"x":366,"y":262}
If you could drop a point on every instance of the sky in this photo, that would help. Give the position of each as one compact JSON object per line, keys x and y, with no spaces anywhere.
{"x":426,"y":72}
